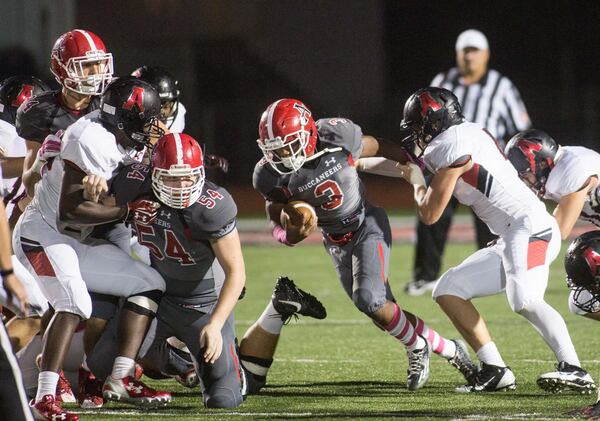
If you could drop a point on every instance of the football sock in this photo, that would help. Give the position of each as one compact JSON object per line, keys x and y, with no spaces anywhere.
{"x":437,"y":342}
{"x":551,"y":326}
{"x":401,"y":329}
{"x":489,"y":354}
{"x":270,"y":320}
{"x":123,"y":367}
{"x":256,"y":366}
{"x":47,"y":382}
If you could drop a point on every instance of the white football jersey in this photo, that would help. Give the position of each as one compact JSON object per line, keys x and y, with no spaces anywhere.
{"x":573,"y":165}
{"x":179,"y":123}
{"x":492,"y":187}
{"x":92,"y":148}
{"x":12,"y":146}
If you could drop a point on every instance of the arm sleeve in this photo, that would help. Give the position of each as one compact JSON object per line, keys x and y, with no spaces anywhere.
{"x":341,"y":132}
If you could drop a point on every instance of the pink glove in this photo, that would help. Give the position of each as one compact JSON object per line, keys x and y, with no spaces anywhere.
{"x":50,"y":147}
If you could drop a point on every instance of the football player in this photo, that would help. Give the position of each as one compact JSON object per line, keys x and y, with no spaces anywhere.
{"x":13,"y":92}
{"x":467,"y":163}
{"x":83,"y":68}
{"x":172,"y":110}
{"x":567,"y":175}
{"x":314,"y":162}
{"x":195,"y":247}
{"x":54,"y":239}
{"x":582,"y":264}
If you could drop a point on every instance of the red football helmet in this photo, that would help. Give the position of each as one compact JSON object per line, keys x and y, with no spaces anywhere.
{"x":73,"y":54}
{"x":288,"y":135}
{"x":177,"y":158}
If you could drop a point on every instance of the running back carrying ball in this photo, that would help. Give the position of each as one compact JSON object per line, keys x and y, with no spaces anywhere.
{"x":299,"y":220}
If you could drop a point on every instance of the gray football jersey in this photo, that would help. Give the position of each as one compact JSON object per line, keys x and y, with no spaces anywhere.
{"x":179,"y":239}
{"x":329,"y":182}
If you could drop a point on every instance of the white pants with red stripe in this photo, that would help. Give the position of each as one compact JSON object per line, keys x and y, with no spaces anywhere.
{"x":518,"y":263}
{"x":66,"y":269}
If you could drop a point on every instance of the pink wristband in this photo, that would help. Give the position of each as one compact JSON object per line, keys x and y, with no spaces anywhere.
{"x":279,"y":235}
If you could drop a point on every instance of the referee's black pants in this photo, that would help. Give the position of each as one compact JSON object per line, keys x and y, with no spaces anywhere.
{"x":13,"y":401}
{"x":431,"y":241}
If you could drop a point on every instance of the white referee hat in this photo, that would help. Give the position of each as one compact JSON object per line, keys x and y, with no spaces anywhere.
{"x":471,"y":38}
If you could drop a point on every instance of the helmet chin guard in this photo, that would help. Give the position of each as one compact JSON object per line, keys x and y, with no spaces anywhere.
{"x":177,"y":158}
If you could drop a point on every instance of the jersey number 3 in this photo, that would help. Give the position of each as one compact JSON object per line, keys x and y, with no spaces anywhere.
{"x":333,"y":193}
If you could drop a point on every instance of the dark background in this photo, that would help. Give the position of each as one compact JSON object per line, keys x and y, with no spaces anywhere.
{"x":354,"y":58}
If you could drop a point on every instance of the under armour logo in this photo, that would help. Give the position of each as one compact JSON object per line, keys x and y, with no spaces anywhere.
{"x":330,"y":161}
{"x":165,"y":214}
{"x":133,"y":388}
{"x":334,"y":250}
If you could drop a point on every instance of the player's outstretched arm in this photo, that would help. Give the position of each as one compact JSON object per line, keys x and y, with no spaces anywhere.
{"x":74,"y":208}
{"x":569,"y":207}
{"x":431,"y":201}
{"x":228,"y":252}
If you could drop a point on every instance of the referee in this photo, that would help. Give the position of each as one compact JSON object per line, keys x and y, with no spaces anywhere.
{"x":13,"y":402}
{"x":490,"y":99}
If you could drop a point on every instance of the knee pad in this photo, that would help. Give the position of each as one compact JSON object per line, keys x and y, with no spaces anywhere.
{"x":364,"y":300}
{"x":221,"y":397}
{"x":144,"y":303}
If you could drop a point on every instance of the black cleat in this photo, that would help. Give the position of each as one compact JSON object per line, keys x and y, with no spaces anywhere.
{"x":567,"y":377}
{"x":418,"y":367}
{"x":462,"y":362}
{"x":490,"y":378}
{"x":289,"y":300}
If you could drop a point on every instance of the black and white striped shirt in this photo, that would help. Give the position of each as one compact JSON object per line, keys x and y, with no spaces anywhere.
{"x":494,"y":102}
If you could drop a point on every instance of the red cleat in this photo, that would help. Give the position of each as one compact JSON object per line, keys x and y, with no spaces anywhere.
{"x":90,"y":390}
{"x":49,"y":409}
{"x":134,"y":391}
{"x":64,"y":393}
{"x":139,"y":371}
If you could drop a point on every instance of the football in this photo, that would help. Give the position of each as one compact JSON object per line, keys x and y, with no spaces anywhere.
{"x":299,"y":220}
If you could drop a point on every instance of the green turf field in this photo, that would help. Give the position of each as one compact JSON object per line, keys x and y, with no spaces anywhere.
{"x":343,"y":367}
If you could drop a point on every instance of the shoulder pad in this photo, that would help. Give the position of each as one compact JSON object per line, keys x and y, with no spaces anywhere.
{"x":131,"y":182}
{"x":34,"y":116}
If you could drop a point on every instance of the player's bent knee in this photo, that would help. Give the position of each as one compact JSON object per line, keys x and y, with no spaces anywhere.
{"x":222,"y":397}
{"x":366,"y":302}
{"x":144,"y":303}
{"x":449,"y":285}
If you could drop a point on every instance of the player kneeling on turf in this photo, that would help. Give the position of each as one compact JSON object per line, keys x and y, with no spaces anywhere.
{"x":195,"y":247}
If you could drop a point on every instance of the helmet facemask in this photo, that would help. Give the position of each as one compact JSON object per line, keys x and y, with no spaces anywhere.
{"x":289,"y":152}
{"x":168,"y":112}
{"x":144,"y":137}
{"x":178,"y":197}
{"x":79,"y":78}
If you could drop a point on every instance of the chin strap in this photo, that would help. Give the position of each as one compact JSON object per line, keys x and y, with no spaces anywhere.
{"x":323,"y":152}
